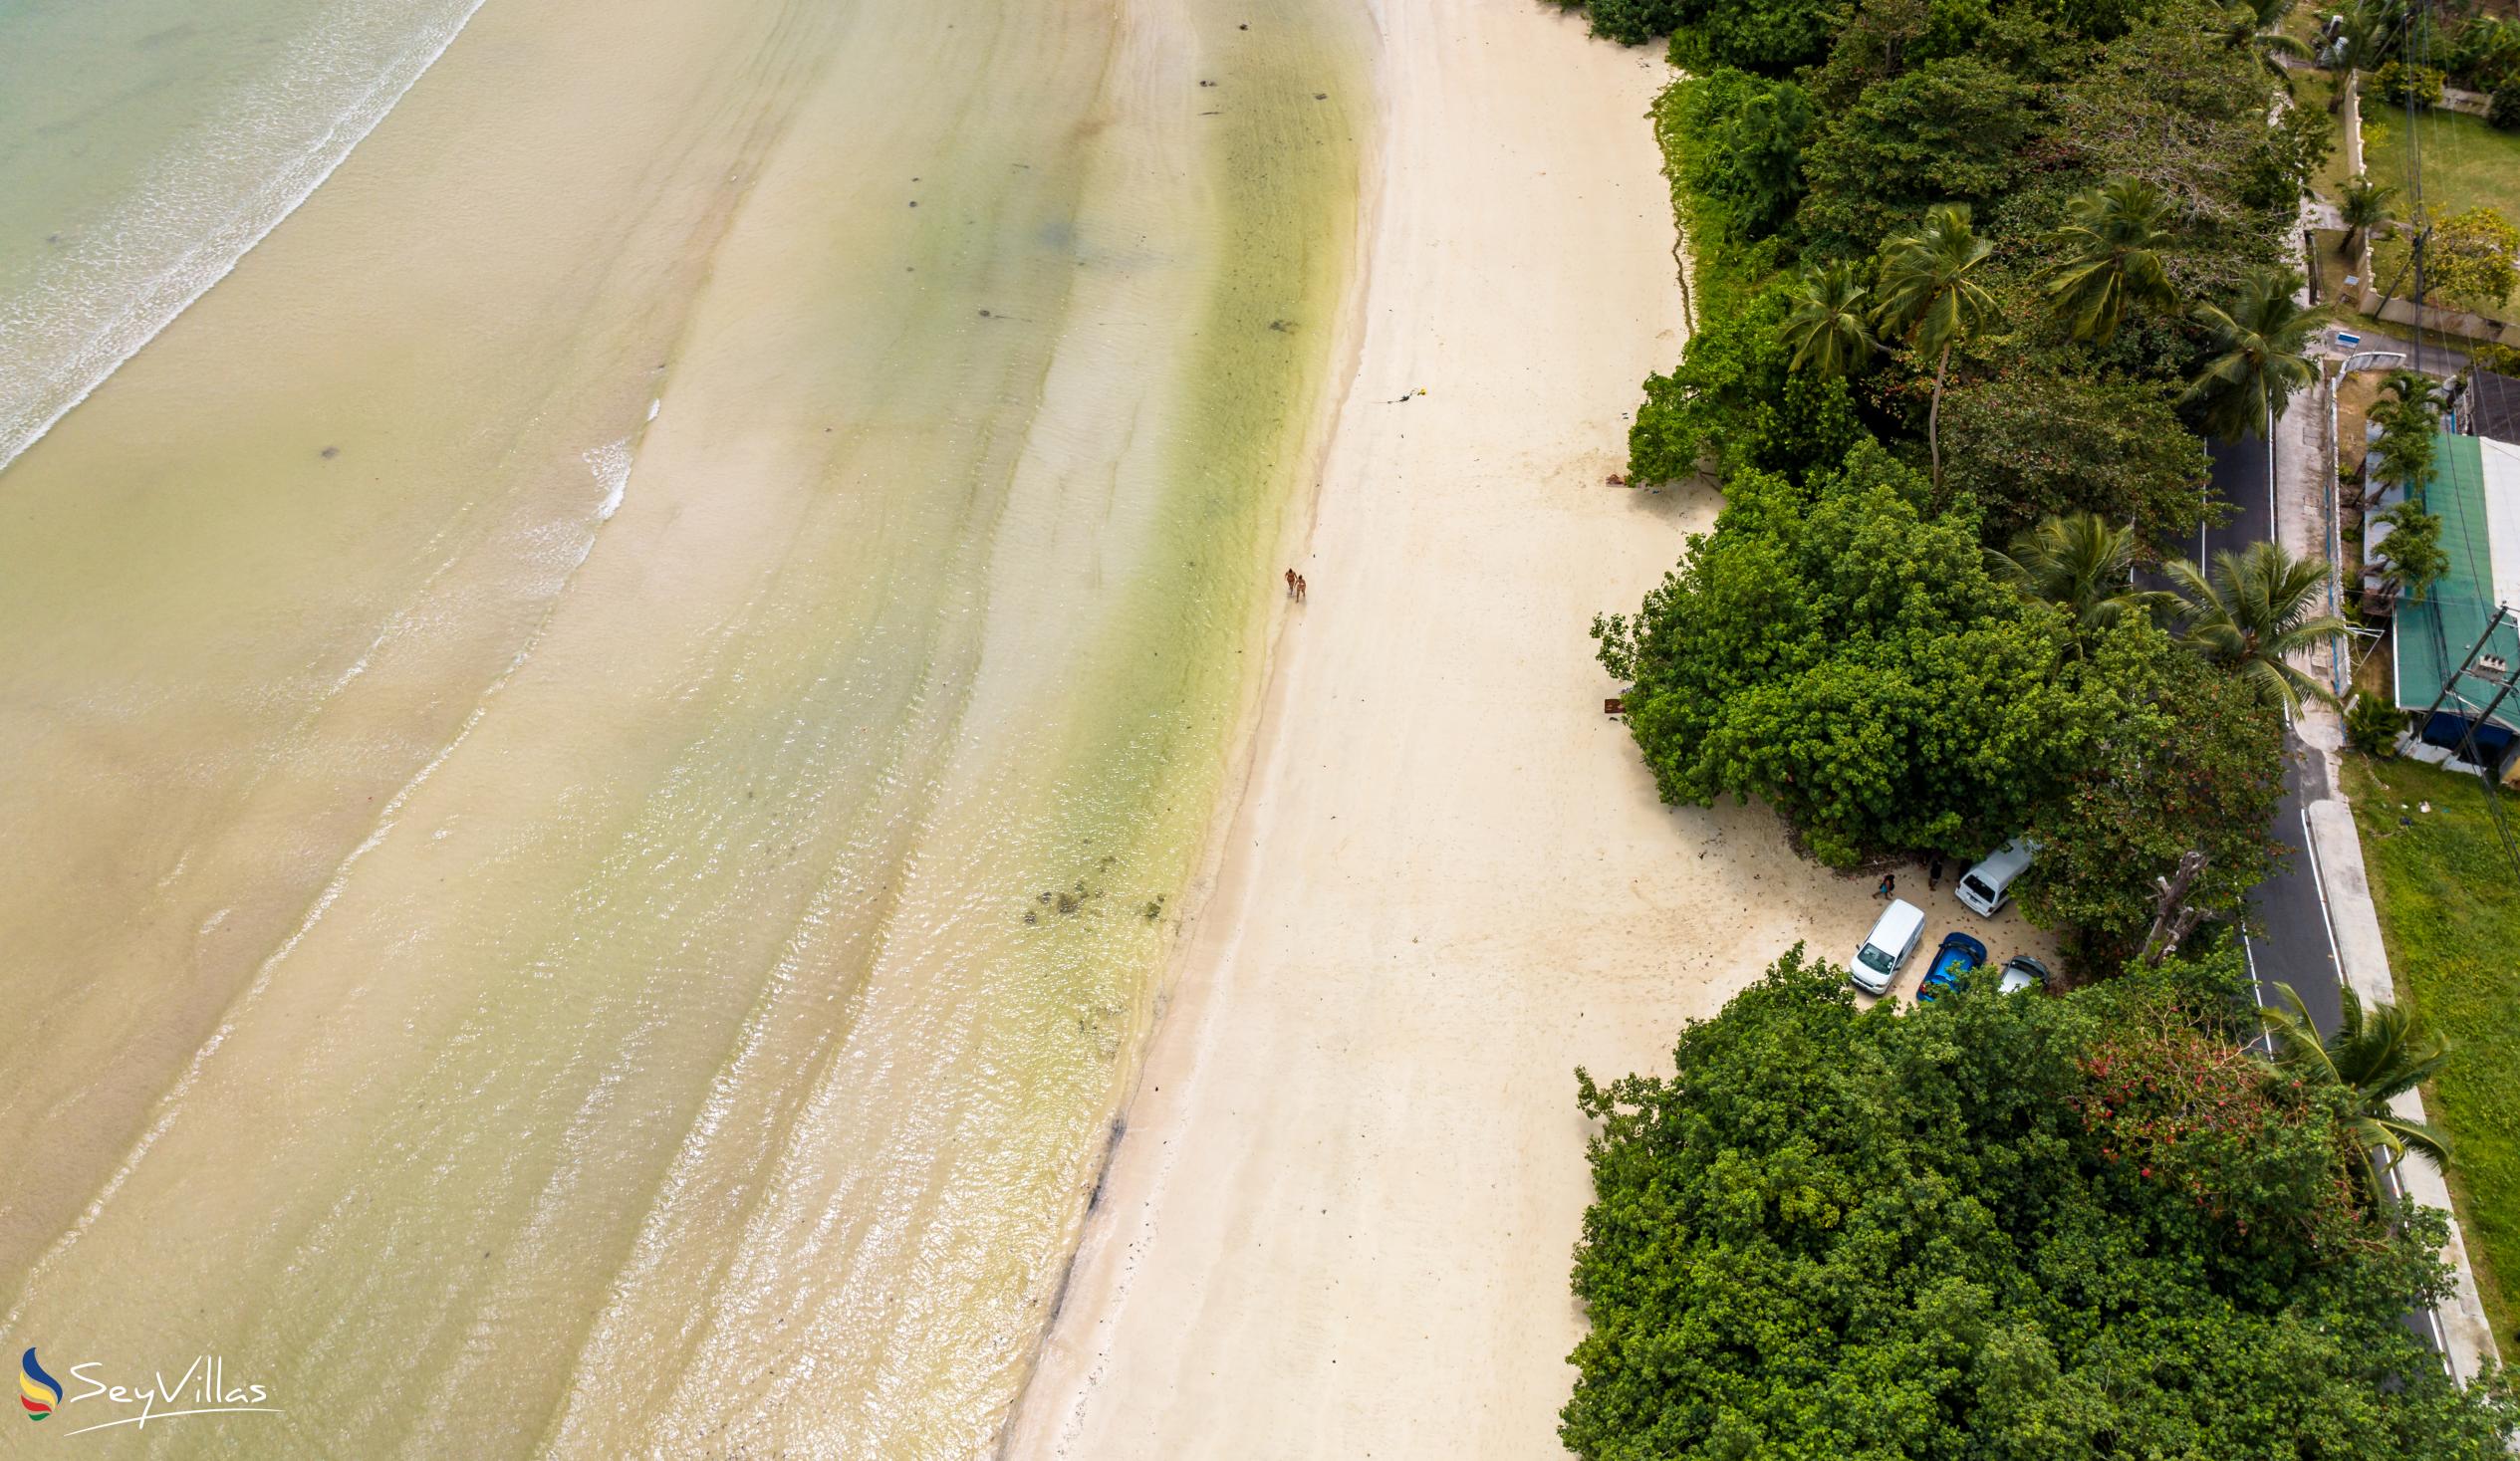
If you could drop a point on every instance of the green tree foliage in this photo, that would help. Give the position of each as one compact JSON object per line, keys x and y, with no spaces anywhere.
{"x":2417,"y":559}
{"x":2167,"y":107}
{"x":2408,"y":411}
{"x":1933,"y":295}
{"x":2372,"y":31}
{"x":1772,"y":36}
{"x":2503,"y":108}
{"x":2259,"y":610}
{"x":1734,"y":402}
{"x":1883,"y":37}
{"x":2362,"y":208}
{"x":2191,"y":758}
{"x":2376,"y":1056}
{"x":1747,"y":135}
{"x":2257,"y":363}
{"x":1845,"y":657}
{"x":1948,"y":130}
{"x":1828,"y":328}
{"x":2114,"y":251}
{"x":2029,"y":443}
{"x":2470,"y":263}
{"x":2372,"y":725}
{"x":2254,"y":25}
{"x":2001,"y":1228}
{"x":2084,"y":565}
{"x":2485,"y":54}
{"x":2399,"y":84}
{"x":2286,"y":158}
{"x":1628,"y":22}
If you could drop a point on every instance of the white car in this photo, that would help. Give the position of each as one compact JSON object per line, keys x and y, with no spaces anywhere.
{"x":1885,"y":949}
{"x":2023,"y":972}
{"x":1986,"y":888}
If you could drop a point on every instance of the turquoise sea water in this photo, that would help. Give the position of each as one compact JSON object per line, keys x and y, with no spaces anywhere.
{"x":612,"y":682}
{"x":146,"y":144}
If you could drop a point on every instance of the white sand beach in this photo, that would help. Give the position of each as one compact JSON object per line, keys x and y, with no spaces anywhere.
{"x":1341,"y":1218}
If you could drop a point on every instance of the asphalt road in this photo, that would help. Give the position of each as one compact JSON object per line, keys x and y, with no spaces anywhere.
{"x":2291,"y":943}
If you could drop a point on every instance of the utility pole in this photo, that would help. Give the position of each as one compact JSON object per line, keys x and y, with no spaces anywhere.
{"x":2505,"y":681}
{"x":2501,"y":611}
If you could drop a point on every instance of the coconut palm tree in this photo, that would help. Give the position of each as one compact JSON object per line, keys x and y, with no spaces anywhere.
{"x":2257,"y":362}
{"x":2115,"y":248}
{"x":2083,"y":565}
{"x":1932,"y":298}
{"x":2377,"y":1057}
{"x":2252,"y":23}
{"x":2362,"y":206}
{"x":2370,"y":31}
{"x":2409,"y":413}
{"x":2413,"y":549}
{"x":2260,"y":608}
{"x":1827,"y":328}
{"x":2414,"y":402}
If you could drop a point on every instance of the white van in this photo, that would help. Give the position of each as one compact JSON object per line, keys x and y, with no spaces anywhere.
{"x":1986,"y":888}
{"x":1886,"y":947}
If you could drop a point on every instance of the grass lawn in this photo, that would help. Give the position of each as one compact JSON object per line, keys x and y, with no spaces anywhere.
{"x":2466,"y":162}
{"x":2332,"y":263}
{"x":2449,"y":910}
{"x":2316,"y":89}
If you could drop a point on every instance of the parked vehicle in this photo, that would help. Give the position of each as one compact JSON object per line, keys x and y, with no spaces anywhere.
{"x":1986,"y":888}
{"x":1885,"y":949}
{"x":1957,"y":956}
{"x":2023,"y":972}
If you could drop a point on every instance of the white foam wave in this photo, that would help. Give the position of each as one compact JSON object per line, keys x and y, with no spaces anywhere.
{"x":207,"y":202}
{"x":610,"y":465}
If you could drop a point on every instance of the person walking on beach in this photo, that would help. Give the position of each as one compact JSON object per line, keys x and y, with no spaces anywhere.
{"x":1290,"y":583}
{"x":1889,"y":884}
{"x":1299,"y":588}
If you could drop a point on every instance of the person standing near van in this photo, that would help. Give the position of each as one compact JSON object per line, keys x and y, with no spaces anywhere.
{"x":1890,"y":885}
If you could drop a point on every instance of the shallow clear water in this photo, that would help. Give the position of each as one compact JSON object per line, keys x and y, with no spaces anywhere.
{"x":612,"y":730}
{"x":145,"y":146}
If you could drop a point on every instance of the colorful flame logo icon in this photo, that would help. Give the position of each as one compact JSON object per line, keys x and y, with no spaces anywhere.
{"x":37,"y":1392}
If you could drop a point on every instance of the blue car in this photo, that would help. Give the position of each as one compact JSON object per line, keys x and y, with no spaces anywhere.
{"x":1957,"y":956}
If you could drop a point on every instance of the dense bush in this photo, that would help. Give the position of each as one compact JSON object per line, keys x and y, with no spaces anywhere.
{"x":1948,"y":130}
{"x":1745,"y":155}
{"x":1999,"y":1228}
{"x":2504,"y":109}
{"x":1628,"y":22}
{"x":1837,"y":651}
{"x":1773,"y":37}
{"x":2399,"y":84}
{"x":2372,"y":725}
{"x":2027,"y":444}
{"x":1732,"y":405}
{"x":2192,"y":759}
{"x":2470,"y":263}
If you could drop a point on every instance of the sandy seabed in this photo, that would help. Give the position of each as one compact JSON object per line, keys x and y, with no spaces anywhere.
{"x":1340,"y":1220}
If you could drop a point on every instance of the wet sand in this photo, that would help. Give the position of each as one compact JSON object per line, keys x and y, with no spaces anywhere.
{"x":1339,"y":1223}
{"x":596,"y":727}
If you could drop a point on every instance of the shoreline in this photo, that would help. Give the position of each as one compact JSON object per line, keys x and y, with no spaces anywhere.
{"x":1338,"y":1217}
{"x":1201,"y":891}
